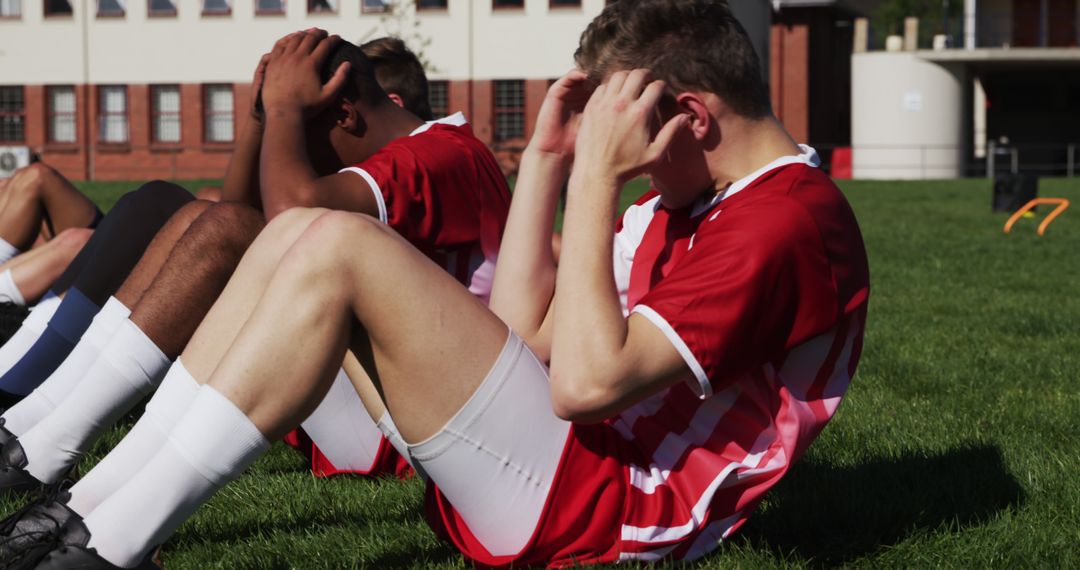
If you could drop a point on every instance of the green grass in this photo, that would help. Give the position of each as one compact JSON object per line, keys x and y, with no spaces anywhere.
{"x":958,"y":444}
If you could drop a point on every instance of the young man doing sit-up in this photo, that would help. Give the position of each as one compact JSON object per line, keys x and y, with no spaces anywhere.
{"x":696,"y":348}
{"x":433,"y":182}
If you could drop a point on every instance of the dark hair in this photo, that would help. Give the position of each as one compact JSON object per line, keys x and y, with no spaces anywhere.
{"x":362,"y":84}
{"x":690,"y":44}
{"x":400,"y":71}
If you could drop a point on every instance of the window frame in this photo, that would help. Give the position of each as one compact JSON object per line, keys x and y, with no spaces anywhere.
{"x":100,"y":115}
{"x":386,"y":9}
{"x":208,"y":113}
{"x":445,"y":86}
{"x":268,"y":12}
{"x":496,"y":8}
{"x":109,"y":15}
{"x":151,"y":13}
{"x":50,"y":15}
{"x":156,"y":113}
{"x":444,"y":8}
{"x":20,"y":114}
{"x":497,"y":111}
{"x":553,"y":6}
{"x":334,"y":10}
{"x":216,"y":13}
{"x":51,"y":114}
{"x":15,"y":16}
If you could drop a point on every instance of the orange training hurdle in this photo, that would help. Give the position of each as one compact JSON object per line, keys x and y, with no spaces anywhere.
{"x":1062,"y":204}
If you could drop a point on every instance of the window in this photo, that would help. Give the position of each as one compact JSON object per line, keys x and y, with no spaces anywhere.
{"x":316,"y":6}
{"x":12,"y":114}
{"x":374,"y":5}
{"x":439,"y":98}
{"x":10,"y":8}
{"x":57,"y":8}
{"x":112,"y":114}
{"x":61,"y":109}
{"x":565,"y":3}
{"x":269,"y":6}
{"x":216,"y":7}
{"x":110,"y":8}
{"x":161,"y":7}
{"x":218,"y":109}
{"x":503,"y":4}
{"x":431,"y":4}
{"x":509,"y":109}
{"x":165,"y":113}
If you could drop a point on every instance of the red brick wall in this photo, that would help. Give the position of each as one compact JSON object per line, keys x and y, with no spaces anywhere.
{"x":789,"y":81}
{"x":142,"y":159}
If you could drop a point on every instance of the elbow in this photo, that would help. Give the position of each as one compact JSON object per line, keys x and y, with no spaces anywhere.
{"x":302,"y":196}
{"x":578,"y":398}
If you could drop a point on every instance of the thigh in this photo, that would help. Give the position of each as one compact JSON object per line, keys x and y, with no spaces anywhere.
{"x":496,"y":460}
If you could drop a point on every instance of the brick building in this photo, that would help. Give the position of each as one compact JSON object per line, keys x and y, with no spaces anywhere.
{"x":137,"y":89}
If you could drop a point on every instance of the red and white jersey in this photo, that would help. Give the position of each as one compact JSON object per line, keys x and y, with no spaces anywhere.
{"x":763,"y":291}
{"x":442,"y":190}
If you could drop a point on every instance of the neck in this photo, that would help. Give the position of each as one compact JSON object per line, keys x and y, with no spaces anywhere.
{"x":747,"y":145}
{"x":384,"y":124}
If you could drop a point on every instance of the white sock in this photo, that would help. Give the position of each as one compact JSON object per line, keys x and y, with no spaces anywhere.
{"x":213,"y":443}
{"x":9,"y":291}
{"x":45,"y":398}
{"x":129,"y":367}
{"x":163,"y":411}
{"x":32,"y":327}
{"x":7,"y":251}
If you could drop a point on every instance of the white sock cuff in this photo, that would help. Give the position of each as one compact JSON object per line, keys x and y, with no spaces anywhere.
{"x":41,"y":313}
{"x":7,"y":251}
{"x":135,"y":356}
{"x":217,"y":438}
{"x":106,"y":322}
{"x":9,"y":291}
{"x":173,"y":397}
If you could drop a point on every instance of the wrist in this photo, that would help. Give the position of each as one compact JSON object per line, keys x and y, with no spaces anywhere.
{"x":546,"y":160}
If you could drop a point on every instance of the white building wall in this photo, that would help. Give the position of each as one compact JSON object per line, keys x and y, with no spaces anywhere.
{"x":907,"y":117}
{"x":537,"y":42}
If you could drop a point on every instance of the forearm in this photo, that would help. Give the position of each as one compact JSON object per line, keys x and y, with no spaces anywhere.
{"x":285,"y":171}
{"x":589,"y":331}
{"x":242,"y":177}
{"x":525,"y":275}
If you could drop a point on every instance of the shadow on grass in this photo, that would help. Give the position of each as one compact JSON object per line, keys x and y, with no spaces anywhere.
{"x":826,"y":514}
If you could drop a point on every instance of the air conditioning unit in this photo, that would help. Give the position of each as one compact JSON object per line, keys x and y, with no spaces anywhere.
{"x":13,"y":158}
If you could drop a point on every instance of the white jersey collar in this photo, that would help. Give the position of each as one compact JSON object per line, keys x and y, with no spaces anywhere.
{"x":807,"y":156}
{"x":456,"y":120}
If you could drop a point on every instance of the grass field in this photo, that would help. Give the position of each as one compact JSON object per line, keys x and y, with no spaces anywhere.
{"x":958,"y":444}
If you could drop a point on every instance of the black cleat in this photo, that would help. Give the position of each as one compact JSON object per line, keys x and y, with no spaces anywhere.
{"x":33,"y":531}
{"x":5,"y":435}
{"x":73,"y":553}
{"x":13,"y":475}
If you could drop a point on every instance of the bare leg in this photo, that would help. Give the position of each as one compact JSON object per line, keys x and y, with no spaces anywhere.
{"x":431,"y":342}
{"x":39,"y":194}
{"x":36,"y":270}
{"x":142,"y":275}
{"x":194,"y":274}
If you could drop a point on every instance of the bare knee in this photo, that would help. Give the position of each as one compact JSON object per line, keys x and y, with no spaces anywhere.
{"x":73,"y":239}
{"x":328,"y":239}
{"x":227,"y":226}
{"x":28,"y":182}
{"x":294,"y":220}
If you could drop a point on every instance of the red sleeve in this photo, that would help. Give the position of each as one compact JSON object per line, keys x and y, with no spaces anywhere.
{"x":755,"y":282}
{"x":423,"y":187}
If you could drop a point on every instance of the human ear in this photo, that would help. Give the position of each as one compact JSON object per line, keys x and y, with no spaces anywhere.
{"x":349,"y":118}
{"x":396,"y":99}
{"x":700,"y":119}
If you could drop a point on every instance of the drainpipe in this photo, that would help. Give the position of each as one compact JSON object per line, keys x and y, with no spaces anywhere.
{"x":969,"y":24}
{"x":88,"y":149}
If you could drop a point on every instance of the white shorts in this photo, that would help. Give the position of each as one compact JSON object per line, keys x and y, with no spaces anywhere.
{"x":496,"y":459}
{"x":342,"y":428}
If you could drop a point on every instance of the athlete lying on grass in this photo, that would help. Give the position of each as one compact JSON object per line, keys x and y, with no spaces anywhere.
{"x":692,"y":358}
